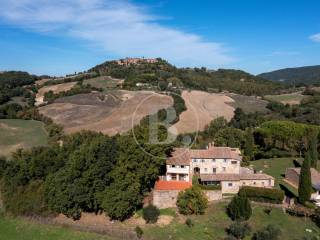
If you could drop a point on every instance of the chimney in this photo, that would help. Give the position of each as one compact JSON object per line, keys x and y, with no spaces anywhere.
{"x":210,"y":145}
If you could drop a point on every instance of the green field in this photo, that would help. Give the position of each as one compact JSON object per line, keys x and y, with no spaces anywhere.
{"x":212,"y":225}
{"x":248,"y":104}
{"x":17,"y":229}
{"x":275,"y":167}
{"x":103,"y":82}
{"x":292,"y":98}
{"x":16,"y":133}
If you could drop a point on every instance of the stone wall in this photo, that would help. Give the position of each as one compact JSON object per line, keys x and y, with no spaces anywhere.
{"x":165,"y":198}
{"x":213,"y":195}
{"x":168,"y":198}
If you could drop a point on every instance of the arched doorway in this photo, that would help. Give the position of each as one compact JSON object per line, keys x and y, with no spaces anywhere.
{"x":196,"y":171}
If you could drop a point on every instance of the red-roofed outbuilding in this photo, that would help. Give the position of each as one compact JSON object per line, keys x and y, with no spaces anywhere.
{"x":172,"y":185}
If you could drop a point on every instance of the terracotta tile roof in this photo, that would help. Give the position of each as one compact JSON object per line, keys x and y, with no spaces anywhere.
{"x":255,"y":176}
{"x":315,"y":175}
{"x":183,"y":156}
{"x":180,"y":156}
{"x":220,"y":177}
{"x":172,"y":185}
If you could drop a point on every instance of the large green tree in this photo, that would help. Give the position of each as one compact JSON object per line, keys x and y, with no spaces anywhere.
{"x":305,"y":185}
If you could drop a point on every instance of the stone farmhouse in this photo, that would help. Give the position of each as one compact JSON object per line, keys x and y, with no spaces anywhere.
{"x":219,"y":166}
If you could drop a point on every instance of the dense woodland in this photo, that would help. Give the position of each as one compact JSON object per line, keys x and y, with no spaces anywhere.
{"x":295,"y":76}
{"x":14,"y":84}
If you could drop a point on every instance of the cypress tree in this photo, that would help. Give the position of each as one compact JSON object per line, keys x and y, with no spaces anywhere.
{"x":313,"y":147}
{"x":249,"y":146}
{"x":305,"y":180}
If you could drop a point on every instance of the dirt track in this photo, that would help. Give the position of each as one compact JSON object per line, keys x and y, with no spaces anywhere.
{"x":202,"y":108}
{"x":54,"y":88}
{"x":112,"y":113}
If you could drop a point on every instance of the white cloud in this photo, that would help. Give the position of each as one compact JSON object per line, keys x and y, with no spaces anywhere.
{"x":315,"y":37}
{"x":120,"y":28}
{"x":283,"y":53}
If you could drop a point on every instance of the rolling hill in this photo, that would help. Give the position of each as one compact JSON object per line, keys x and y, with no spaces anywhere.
{"x":300,"y":75}
{"x":161,"y":71}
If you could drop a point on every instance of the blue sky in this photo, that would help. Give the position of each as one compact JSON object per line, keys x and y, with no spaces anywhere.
{"x":64,"y":36}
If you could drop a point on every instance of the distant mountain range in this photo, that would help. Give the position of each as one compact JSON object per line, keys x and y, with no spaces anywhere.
{"x":300,"y":75}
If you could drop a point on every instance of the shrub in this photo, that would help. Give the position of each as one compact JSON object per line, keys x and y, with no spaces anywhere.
{"x":268,"y":233}
{"x":151,"y":214}
{"x":239,"y":230}
{"x":299,"y":211}
{"x":262,"y":194}
{"x":195,"y":180}
{"x":267,"y":211}
{"x":189,"y":222}
{"x":316,"y":217}
{"x":192,"y":201}
{"x":139,"y":232}
{"x":239,"y":208}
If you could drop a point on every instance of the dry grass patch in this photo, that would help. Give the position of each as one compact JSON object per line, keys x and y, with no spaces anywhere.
{"x":202,"y":108}
{"x":110,"y":113}
{"x":63,"y":87}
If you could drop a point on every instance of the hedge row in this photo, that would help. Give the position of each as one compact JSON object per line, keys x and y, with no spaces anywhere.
{"x":257,"y":194}
{"x":210,"y":187}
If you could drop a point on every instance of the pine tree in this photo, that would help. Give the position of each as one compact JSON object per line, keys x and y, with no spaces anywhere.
{"x":305,"y":180}
{"x":313,"y":147}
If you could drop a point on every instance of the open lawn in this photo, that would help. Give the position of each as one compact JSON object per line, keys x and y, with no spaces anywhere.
{"x":212,"y":225}
{"x":275,"y":167}
{"x":17,"y":229}
{"x":290,"y":98}
{"x":17,"y":133}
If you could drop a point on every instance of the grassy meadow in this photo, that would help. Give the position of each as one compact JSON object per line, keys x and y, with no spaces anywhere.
{"x":275,"y":167}
{"x":17,"y":133}
{"x":18,"y":229}
{"x":212,"y":225}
